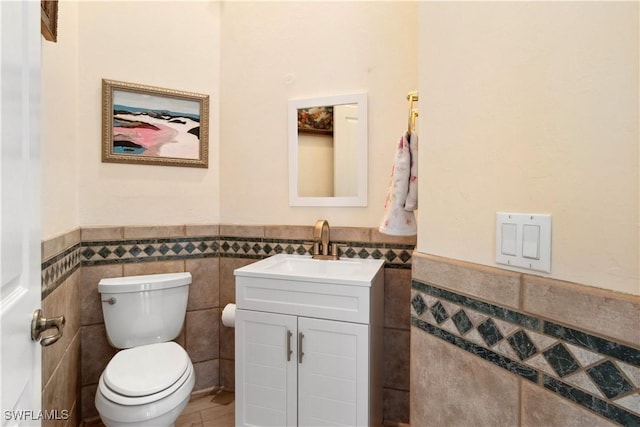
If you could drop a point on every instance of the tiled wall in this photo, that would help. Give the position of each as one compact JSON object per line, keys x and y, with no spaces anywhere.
{"x":211,"y":253}
{"x":495,"y":347}
{"x":61,"y":361}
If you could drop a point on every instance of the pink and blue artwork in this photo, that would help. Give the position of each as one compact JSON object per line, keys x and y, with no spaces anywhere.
{"x":152,"y":127}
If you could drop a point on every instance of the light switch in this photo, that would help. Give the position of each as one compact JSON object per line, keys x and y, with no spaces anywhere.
{"x":531,"y":241}
{"x":509,"y":236}
{"x":523,"y":240}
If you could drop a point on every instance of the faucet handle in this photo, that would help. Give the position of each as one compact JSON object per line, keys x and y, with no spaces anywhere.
{"x":335,"y":250}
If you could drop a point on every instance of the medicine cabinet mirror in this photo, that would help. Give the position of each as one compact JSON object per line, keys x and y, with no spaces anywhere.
{"x":328,"y":151}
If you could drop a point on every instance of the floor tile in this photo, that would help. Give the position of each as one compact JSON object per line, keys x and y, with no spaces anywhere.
{"x":201,"y":411}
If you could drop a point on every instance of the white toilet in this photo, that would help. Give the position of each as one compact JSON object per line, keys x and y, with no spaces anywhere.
{"x":149,"y":382}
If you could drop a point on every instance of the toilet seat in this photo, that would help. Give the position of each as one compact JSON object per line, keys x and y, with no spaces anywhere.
{"x":145,"y":374}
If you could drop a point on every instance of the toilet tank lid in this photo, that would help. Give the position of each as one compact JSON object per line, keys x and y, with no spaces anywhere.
{"x":146,"y":282}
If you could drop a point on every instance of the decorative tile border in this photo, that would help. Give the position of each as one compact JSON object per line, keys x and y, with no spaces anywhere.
{"x":146,"y":250}
{"x":120,"y":251}
{"x":396,"y":255}
{"x":103,"y":252}
{"x":600,"y":375}
{"x":57,"y":269}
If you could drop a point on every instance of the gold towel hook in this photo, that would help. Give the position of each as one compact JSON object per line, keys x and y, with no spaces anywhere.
{"x":413,"y":113}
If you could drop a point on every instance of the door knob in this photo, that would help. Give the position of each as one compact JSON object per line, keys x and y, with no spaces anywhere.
{"x":39,"y":324}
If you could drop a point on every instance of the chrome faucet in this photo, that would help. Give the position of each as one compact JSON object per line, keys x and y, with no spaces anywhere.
{"x":321,"y":248}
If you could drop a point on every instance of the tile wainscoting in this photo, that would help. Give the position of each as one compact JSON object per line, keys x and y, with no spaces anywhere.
{"x":494,"y":347}
{"x":74,"y":263}
{"x":61,"y":361}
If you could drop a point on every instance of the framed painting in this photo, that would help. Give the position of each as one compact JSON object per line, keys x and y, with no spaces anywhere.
{"x":154,"y":126}
{"x":49,"y":19}
{"x":316,"y":120}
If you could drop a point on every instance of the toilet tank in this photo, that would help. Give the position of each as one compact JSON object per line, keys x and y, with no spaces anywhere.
{"x":140,"y":310}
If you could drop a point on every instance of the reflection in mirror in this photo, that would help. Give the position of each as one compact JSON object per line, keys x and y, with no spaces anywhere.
{"x":328,"y":151}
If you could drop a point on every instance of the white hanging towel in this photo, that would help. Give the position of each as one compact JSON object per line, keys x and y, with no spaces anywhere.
{"x":402,"y":196}
{"x":411,"y":204}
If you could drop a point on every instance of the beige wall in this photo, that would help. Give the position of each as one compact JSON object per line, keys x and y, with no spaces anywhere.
{"x":532,"y":107}
{"x":162,"y":44}
{"x":242,"y":54}
{"x":276,"y":51}
{"x":555,"y":83}
{"x":315,"y":165}
{"x":59,"y":138}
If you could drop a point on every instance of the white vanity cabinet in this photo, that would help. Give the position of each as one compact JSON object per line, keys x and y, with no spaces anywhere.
{"x":308,"y":352}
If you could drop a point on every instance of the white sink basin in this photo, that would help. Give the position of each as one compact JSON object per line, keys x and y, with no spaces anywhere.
{"x":346,"y":271}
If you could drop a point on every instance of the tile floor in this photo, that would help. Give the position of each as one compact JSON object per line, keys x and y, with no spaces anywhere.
{"x":211,"y":409}
{"x":204,"y":410}
{"x":207,"y":410}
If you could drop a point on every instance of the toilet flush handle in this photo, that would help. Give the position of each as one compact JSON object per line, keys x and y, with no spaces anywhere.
{"x":111,"y":300}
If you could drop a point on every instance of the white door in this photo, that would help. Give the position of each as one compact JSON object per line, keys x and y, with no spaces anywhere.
{"x":345,"y":150}
{"x":20,"y":357}
{"x":333,"y":373}
{"x":266,"y":378}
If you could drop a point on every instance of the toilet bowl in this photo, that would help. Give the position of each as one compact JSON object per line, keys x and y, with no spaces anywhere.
{"x":145,"y":386}
{"x":149,"y":381}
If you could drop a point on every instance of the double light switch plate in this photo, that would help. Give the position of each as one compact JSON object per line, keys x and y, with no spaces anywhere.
{"x":524,"y":240}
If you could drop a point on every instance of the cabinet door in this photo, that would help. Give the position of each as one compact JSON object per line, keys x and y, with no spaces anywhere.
{"x":266,"y":372}
{"x":333,"y":373}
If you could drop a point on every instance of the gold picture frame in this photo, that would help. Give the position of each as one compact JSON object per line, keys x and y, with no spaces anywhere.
{"x":154,"y":126}
{"x":49,"y":19}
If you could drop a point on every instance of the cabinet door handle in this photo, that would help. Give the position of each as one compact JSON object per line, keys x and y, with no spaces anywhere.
{"x":300,"y":352}
{"x":289,"y":351}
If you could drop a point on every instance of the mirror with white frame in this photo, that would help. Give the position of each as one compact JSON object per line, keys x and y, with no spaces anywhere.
{"x":328,"y":151}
